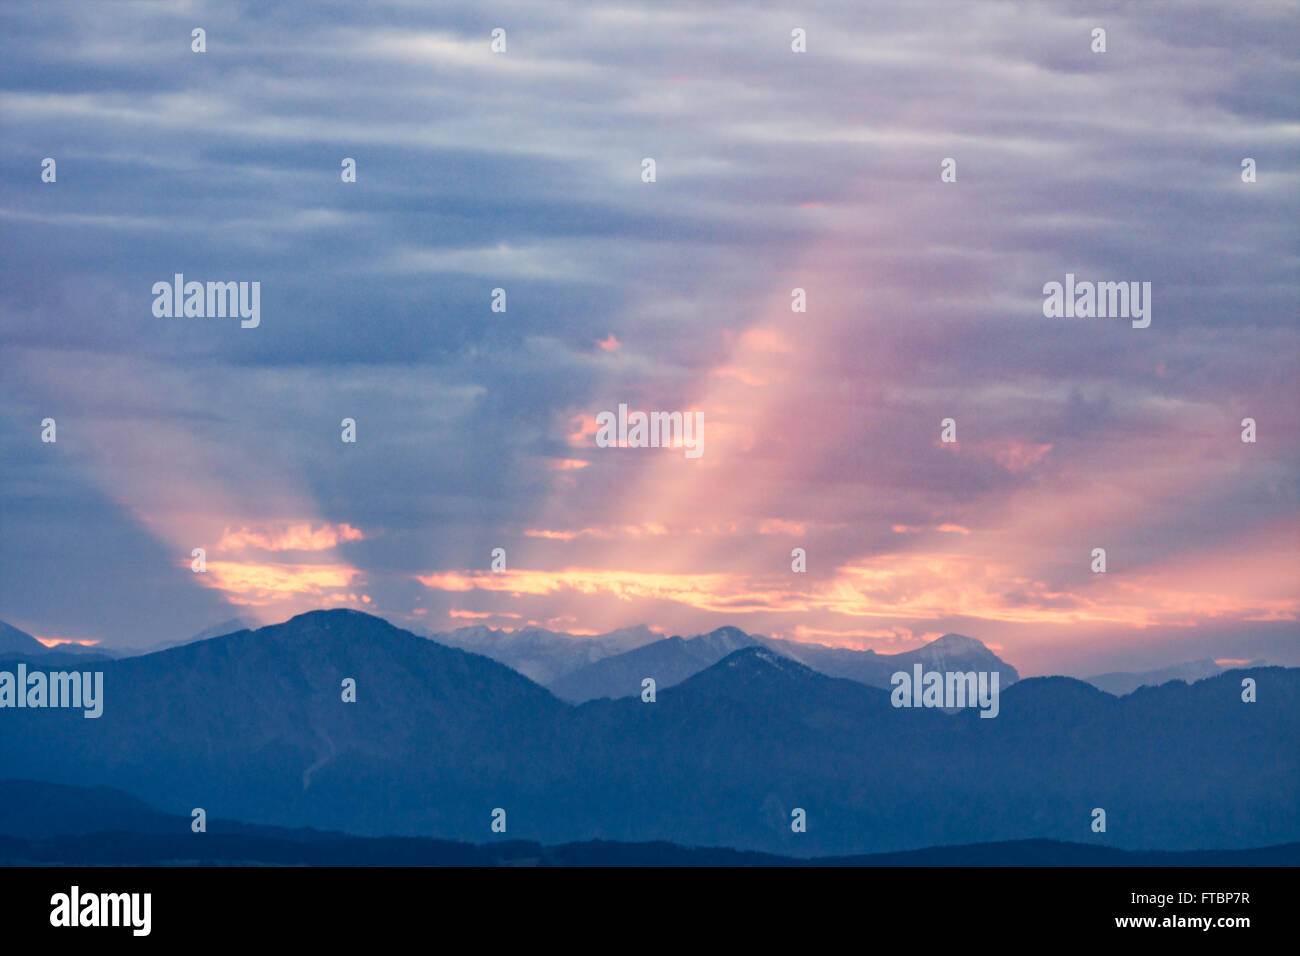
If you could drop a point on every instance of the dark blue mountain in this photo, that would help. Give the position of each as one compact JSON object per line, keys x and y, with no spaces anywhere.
{"x":669,"y":661}
{"x":14,"y":642}
{"x":18,"y":645}
{"x":251,"y":727}
{"x":1120,"y":683}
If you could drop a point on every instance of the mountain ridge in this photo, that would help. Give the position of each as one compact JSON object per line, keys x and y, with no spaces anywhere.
{"x":673,"y":659}
{"x":252,"y":726}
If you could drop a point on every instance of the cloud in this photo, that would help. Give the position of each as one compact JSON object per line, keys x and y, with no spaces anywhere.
{"x":299,"y":537}
{"x":776,"y":171}
{"x":253,"y":584}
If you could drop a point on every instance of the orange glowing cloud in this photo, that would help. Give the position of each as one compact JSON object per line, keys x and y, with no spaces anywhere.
{"x":586,"y":428}
{"x":296,"y":537}
{"x":631,"y":530}
{"x":777,"y":526}
{"x":764,"y":339}
{"x":904,"y":587}
{"x":260,"y":584}
{"x":557,"y":535}
{"x":917,"y":529}
{"x":56,"y":641}
{"x":744,"y":376}
{"x":565,"y":464}
{"x":1017,"y":456}
{"x":695,"y":589}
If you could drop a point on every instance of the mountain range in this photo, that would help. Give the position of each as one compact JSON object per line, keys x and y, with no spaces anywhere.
{"x":541,"y":655}
{"x":578,"y":667}
{"x":673,"y":660}
{"x":252,"y":726}
{"x":1120,"y":683}
{"x":228,"y":626}
{"x":16,"y":644}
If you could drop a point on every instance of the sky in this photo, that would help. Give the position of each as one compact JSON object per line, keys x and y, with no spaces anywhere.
{"x":522,"y":170}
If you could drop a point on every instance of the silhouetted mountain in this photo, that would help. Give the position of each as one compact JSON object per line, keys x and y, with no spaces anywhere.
{"x":16,"y":643}
{"x":251,"y":727}
{"x":220,"y":629}
{"x":1120,"y":683}
{"x":48,"y":824}
{"x":952,"y":652}
{"x":751,"y":672}
{"x":34,"y":811}
{"x":668,"y":661}
{"x":725,"y":757}
{"x":673,"y":660}
{"x":119,"y":848}
{"x":542,"y":655}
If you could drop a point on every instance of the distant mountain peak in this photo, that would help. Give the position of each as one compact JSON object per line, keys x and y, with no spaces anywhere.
{"x":957,"y":650}
{"x":763,"y":660}
{"x":14,"y":640}
{"x":326,"y":617}
{"x":542,"y":655}
{"x":727,"y":631}
{"x":754,"y":670}
{"x":222,"y":628}
{"x":753,"y":654}
{"x":1121,"y":683}
{"x":957,"y":642}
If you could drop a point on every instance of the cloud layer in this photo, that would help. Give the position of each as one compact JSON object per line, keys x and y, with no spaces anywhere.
{"x":775,"y":171}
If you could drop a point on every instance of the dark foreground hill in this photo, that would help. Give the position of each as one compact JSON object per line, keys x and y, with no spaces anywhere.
{"x":56,"y":825}
{"x":252,"y":726}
